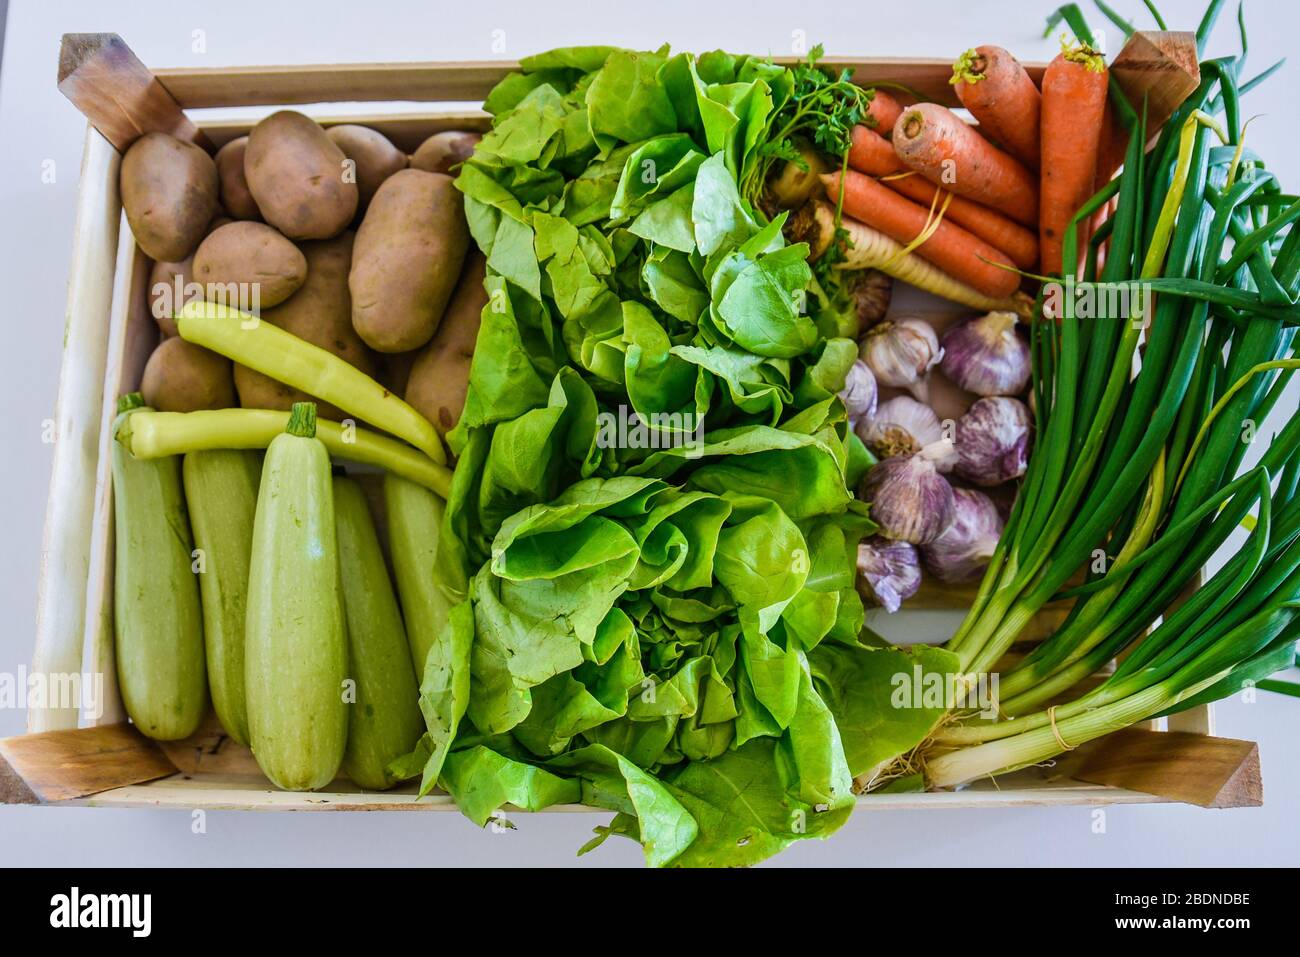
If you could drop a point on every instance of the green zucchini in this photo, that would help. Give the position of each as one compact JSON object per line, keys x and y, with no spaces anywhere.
{"x":221,"y":489}
{"x":385,"y":721}
{"x":157,"y":625}
{"x":414,"y":522}
{"x":295,"y":645}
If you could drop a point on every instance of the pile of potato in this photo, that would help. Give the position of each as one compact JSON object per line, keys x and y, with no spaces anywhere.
{"x":351,"y":245}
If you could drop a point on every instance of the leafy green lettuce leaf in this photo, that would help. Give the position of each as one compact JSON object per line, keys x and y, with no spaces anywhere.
{"x":651,"y":536}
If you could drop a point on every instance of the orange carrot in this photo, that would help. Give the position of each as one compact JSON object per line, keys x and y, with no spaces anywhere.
{"x":1020,"y":244}
{"x":1074,"y":100}
{"x":871,"y":153}
{"x":992,"y":84}
{"x":1098,"y":219}
{"x":1112,"y":149}
{"x":961,"y":255}
{"x":947,"y":151}
{"x":882,"y":113}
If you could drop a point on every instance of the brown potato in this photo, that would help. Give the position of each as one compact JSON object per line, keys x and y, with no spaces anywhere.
{"x":440,"y":377}
{"x":408,"y":256}
{"x":441,"y":151}
{"x":254,"y":256}
{"x":296,"y":175}
{"x":235,"y":195}
{"x":321,"y":313}
{"x":393,"y":369}
{"x":375,"y":156}
{"x":183,"y":377}
{"x":163,"y":298}
{"x":169,"y":192}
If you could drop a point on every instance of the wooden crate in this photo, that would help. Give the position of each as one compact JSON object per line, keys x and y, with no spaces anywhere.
{"x":70,"y":759}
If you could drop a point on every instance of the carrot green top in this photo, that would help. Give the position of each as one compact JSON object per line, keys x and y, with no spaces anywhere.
{"x":969,"y":67}
{"x":1082,"y":53}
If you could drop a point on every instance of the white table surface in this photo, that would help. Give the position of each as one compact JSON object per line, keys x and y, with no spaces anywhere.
{"x":37,"y":125}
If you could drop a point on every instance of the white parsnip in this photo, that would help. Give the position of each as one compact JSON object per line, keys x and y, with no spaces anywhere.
{"x":871,"y":249}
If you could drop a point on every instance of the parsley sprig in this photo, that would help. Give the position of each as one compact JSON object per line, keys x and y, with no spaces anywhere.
{"x":822,"y":110}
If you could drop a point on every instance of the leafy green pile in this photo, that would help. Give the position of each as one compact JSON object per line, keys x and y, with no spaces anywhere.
{"x":667,"y":631}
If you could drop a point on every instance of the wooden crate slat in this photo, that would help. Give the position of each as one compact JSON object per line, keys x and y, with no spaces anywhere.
{"x":240,"y":793}
{"x":406,"y":130}
{"x":1158,"y":66}
{"x":1178,"y":766}
{"x":63,"y":765}
{"x":464,"y":81}
{"x":65,"y":547}
{"x":117,"y":93}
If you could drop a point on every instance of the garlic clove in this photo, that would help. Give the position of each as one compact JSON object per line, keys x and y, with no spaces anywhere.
{"x":889,"y":572}
{"x":871,"y":290}
{"x":987,"y":356}
{"x":900,"y":426}
{"x":859,"y":393}
{"x":901,"y":353}
{"x":992,"y":441}
{"x":961,"y":552}
{"x":910,"y":500}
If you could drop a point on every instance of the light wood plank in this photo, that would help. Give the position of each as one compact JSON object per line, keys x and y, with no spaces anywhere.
{"x":117,"y":93}
{"x":406,"y":130}
{"x":1198,"y":720}
{"x":65,"y":549}
{"x":63,"y":765}
{"x":1178,"y":766}
{"x":465,"y":81}
{"x":235,"y":792}
{"x":1158,"y":66}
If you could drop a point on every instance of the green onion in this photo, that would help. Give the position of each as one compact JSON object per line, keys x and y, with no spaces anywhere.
{"x":1146,"y":465}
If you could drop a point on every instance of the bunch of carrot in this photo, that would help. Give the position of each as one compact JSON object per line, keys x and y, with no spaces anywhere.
{"x":980,"y":202}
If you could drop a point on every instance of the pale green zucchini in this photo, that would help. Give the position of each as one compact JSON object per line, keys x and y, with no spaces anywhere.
{"x":384,"y":720}
{"x":221,"y":489}
{"x":296,"y":653}
{"x":414,"y":522}
{"x":156,"y":620}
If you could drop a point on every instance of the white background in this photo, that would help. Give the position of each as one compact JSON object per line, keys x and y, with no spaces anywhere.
{"x":37,"y":125}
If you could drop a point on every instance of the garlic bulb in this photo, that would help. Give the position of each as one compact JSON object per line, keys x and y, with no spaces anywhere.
{"x":962,"y":551}
{"x":987,"y":356}
{"x":910,"y":500}
{"x":902,"y":353}
{"x":889,"y":573}
{"x":901,"y":426}
{"x":871,"y":290}
{"x":992,"y":441}
{"x":859,"y":393}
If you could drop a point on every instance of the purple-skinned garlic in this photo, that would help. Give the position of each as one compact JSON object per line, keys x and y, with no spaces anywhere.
{"x":987,"y":356}
{"x":962,"y":551}
{"x":992,"y":441}
{"x":910,"y":500}
{"x":889,"y":572}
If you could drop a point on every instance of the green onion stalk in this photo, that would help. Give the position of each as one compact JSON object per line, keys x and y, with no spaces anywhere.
{"x":1143,"y":425}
